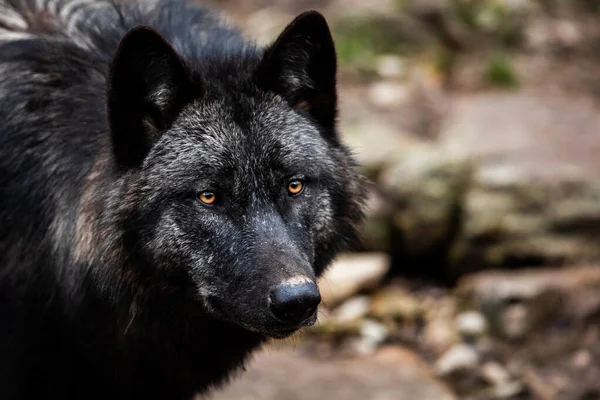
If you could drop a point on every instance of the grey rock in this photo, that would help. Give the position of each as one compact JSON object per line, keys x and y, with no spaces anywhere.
{"x":519,"y":302}
{"x":471,"y":323}
{"x":354,"y":308}
{"x":495,"y":373}
{"x":391,"y":66}
{"x":388,"y":94}
{"x":507,"y":166}
{"x":351,"y":273}
{"x":516,"y":321}
{"x":373,"y":331}
{"x":459,"y":359}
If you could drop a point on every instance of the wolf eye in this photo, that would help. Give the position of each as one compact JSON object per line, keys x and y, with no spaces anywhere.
{"x":295,"y":187}
{"x":207,"y":198}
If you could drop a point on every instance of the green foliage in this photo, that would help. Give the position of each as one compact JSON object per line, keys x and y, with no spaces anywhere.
{"x":444,"y":61}
{"x":492,"y":17}
{"x":360,"y":39}
{"x":499,"y":72}
{"x":354,"y":42}
{"x":467,"y":12}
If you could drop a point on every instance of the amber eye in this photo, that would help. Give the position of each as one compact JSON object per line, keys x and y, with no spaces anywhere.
{"x":207,"y":198}
{"x":295,"y":187}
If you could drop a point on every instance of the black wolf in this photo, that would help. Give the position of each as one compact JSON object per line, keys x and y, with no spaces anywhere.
{"x":169,"y":193}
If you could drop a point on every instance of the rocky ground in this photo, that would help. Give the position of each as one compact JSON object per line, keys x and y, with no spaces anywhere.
{"x":527,"y":334}
{"x":478,"y":124}
{"x":285,"y":374}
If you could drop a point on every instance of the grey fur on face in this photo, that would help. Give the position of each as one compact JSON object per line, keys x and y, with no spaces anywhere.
{"x":247,"y":163}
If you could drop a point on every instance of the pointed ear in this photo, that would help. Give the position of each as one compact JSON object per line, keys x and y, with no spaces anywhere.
{"x":148,"y":86}
{"x":301,"y":65}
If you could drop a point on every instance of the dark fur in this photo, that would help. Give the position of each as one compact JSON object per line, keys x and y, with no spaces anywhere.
{"x":115,"y":281}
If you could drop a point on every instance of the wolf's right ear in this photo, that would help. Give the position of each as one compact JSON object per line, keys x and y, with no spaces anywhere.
{"x":148,"y":86}
{"x":301,"y":66}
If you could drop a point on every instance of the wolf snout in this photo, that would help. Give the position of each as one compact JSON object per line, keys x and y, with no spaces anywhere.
{"x":295,"y":300}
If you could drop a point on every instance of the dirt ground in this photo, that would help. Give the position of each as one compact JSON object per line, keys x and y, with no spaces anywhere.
{"x":393,"y":373}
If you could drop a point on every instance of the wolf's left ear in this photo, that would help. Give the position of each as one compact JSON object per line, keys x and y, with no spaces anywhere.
{"x":148,"y":86}
{"x":301,"y":65}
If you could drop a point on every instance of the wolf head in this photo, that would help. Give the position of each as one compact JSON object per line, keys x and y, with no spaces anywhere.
{"x":241,"y":184}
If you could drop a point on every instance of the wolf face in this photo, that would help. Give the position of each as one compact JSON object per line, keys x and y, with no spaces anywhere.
{"x":238,"y":184}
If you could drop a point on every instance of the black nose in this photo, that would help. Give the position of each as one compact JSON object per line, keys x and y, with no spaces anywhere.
{"x":294,"y":303}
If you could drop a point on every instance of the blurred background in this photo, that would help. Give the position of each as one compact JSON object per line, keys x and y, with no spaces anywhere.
{"x":478,"y":125}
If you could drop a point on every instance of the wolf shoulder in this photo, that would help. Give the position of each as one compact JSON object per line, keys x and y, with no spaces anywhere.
{"x":96,"y":26}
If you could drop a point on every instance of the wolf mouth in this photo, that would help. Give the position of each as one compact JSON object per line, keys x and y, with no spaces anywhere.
{"x":276,"y":332}
{"x":286,"y":332}
{"x":282,"y":334}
